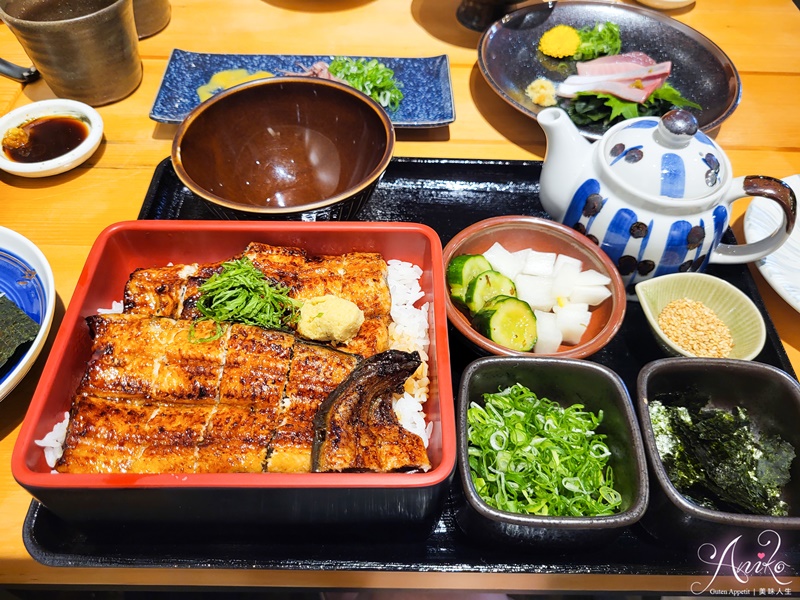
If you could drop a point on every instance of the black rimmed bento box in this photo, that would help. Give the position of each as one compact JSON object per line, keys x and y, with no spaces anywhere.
{"x":285,"y":499}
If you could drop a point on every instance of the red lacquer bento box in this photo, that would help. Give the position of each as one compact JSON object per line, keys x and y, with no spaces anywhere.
{"x":394,"y":499}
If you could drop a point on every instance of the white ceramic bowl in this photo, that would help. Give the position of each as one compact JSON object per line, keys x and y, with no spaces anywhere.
{"x":26,"y":278}
{"x":65,"y":162}
{"x":731,"y":305}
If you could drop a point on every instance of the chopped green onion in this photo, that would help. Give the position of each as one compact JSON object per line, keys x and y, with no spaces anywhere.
{"x":371,"y":77}
{"x":602,"y":39}
{"x":529,"y":455}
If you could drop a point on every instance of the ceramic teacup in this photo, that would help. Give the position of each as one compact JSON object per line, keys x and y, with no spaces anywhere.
{"x":151,"y":16}
{"x":86,"y":50}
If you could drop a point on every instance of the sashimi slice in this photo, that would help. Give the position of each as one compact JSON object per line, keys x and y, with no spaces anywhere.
{"x":662,"y":68}
{"x":637,"y":91}
{"x":633,"y":90}
{"x":635,"y":85}
{"x":618,"y":63}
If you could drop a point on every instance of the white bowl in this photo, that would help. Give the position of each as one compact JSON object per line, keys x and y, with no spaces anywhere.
{"x":26,"y":278}
{"x":65,"y":162}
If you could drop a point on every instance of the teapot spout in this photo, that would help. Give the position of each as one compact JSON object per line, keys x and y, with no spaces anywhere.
{"x":566,"y":154}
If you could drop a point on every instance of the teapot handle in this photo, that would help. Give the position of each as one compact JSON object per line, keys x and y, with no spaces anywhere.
{"x":763,"y":187}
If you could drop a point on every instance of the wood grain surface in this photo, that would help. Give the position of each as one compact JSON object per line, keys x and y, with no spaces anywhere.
{"x":64,"y":214}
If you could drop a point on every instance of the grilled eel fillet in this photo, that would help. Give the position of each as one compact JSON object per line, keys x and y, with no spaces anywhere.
{"x":355,"y":428}
{"x":356,"y":276}
{"x":152,"y":401}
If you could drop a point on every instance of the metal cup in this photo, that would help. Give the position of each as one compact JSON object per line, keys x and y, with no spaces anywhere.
{"x":86,"y":50}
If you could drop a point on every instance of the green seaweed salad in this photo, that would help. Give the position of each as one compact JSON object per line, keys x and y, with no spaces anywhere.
{"x":719,"y":459}
{"x":529,"y":455}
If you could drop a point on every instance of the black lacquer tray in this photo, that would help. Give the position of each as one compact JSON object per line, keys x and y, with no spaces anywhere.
{"x":448,"y":195}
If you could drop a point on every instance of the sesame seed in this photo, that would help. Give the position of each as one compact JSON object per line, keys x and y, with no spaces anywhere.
{"x":696,"y":328}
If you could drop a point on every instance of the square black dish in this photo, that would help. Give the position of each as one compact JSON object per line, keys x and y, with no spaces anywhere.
{"x":566,"y":382}
{"x":771,"y":399}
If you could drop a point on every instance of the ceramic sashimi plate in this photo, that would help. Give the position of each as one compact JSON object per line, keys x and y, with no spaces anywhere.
{"x":425,"y":83}
{"x":509,"y":60}
{"x":779,"y":268}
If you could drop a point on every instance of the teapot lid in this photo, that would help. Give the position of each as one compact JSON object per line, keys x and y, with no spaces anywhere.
{"x":668,"y":157}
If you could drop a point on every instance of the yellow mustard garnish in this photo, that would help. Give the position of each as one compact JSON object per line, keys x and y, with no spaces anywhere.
{"x":222,"y":80}
{"x":560,"y":42}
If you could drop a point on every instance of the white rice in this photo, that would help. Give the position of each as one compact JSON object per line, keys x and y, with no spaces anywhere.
{"x":53,"y":442}
{"x":409,"y":332}
{"x":116,"y":308}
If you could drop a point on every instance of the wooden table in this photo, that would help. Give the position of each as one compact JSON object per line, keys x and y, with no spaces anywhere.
{"x":64,"y":214}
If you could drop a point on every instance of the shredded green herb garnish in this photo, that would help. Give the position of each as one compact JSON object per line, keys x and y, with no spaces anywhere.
{"x":600,"y":40}
{"x":529,"y":455}
{"x":240,"y":293}
{"x":371,"y":77}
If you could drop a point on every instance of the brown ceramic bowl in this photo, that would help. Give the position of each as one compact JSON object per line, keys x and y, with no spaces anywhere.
{"x":517,"y":233}
{"x":286,"y":147}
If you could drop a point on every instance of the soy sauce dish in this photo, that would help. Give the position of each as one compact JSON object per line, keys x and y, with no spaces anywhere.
{"x":48,"y":137}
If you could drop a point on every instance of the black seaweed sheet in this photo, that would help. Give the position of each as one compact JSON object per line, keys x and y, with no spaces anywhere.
{"x":448,"y":195}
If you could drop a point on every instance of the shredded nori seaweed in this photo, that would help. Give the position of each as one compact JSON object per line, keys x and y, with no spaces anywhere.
{"x":16,"y":328}
{"x":719,"y":459}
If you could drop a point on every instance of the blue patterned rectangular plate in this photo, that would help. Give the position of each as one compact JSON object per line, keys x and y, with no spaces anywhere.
{"x":428,"y":93}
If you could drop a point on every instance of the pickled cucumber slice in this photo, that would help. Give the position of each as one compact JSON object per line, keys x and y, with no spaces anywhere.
{"x":463,"y":269}
{"x":507,"y":321}
{"x":486,"y":286}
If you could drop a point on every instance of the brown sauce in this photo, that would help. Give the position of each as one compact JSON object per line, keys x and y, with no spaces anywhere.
{"x":48,"y":138}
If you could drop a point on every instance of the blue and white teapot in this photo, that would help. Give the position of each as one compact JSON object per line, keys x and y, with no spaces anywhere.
{"x":654,"y":194}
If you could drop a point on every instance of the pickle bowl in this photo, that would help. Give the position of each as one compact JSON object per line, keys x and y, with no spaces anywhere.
{"x":520,"y":233}
{"x":567,"y":382}
{"x":771,"y":399}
